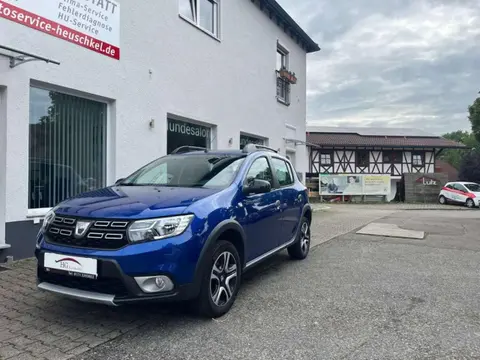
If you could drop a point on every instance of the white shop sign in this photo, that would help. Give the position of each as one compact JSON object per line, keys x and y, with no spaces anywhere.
{"x":92,"y":24}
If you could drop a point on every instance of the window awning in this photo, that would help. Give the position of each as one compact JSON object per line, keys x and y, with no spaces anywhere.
{"x":19,"y":57}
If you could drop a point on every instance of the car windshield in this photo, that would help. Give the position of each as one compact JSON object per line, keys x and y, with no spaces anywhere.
{"x":473,"y":187}
{"x":209,"y":171}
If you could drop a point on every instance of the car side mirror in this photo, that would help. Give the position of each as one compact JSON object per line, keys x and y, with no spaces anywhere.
{"x":119,"y":181}
{"x":257,"y":186}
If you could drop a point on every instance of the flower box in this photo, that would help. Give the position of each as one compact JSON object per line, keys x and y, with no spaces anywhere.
{"x":289,"y":76}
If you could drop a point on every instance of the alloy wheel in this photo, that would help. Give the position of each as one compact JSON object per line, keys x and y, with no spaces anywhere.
{"x":305,"y":237}
{"x":223,"y":278}
{"x":470,"y":203}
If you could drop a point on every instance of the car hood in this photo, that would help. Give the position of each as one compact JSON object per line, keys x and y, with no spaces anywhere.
{"x":133,"y":202}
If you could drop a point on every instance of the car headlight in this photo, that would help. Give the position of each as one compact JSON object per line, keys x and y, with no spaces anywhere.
{"x":156,"y":229}
{"x":47,"y":220}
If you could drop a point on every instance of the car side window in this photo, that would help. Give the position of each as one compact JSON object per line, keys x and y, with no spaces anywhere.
{"x":292,"y":171}
{"x":283,"y":172}
{"x":460,"y":187}
{"x":261,"y":170}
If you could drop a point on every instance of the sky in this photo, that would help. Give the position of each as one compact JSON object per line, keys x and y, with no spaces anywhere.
{"x":393,"y":63}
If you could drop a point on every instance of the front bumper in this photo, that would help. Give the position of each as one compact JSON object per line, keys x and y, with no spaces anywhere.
{"x":82,"y":295}
{"x":111,"y":287}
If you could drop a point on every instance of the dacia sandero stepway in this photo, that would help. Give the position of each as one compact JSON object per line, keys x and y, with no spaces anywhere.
{"x":185,"y":227}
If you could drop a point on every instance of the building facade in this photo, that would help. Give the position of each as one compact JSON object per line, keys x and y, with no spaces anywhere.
{"x":116,"y":84}
{"x":374,"y":151}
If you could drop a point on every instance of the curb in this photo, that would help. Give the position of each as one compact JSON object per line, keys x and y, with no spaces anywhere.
{"x":393,"y":207}
{"x":437,"y":209}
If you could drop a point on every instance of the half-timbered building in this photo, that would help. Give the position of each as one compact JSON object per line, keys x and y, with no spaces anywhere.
{"x":385,"y":151}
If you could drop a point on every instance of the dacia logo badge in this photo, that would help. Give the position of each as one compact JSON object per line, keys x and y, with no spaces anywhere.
{"x":81,"y":228}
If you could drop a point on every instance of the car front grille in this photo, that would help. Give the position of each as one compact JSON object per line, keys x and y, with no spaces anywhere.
{"x":111,"y":286}
{"x":100,"y":234}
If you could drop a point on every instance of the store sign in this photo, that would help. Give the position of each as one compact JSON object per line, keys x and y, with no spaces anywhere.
{"x":92,"y":24}
{"x":355,"y":184}
{"x":181,"y":133}
{"x":188,"y":129}
{"x":427,"y":181}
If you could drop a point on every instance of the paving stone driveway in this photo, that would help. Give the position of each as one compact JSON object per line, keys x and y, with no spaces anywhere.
{"x":37,"y":325}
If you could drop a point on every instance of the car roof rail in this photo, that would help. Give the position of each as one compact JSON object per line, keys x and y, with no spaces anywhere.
{"x":185,"y":149}
{"x":255,"y":147}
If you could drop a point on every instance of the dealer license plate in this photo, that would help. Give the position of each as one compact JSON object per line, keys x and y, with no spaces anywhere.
{"x":72,"y":265}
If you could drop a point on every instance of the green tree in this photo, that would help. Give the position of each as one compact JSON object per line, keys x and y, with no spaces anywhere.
{"x":454,"y":157}
{"x":470,"y":167}
{"x":474,"y":117}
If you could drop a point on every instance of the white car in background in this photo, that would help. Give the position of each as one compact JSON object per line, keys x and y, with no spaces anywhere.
{"x":465,"y":193}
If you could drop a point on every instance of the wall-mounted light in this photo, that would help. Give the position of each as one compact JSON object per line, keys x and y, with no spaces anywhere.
{"x":230,"y":141}
{"x":152,"y":123}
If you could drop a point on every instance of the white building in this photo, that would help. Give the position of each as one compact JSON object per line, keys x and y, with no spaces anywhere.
{"x":135,"y":80}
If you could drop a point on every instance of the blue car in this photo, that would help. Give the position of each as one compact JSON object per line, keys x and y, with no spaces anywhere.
{"x":185,"y":227}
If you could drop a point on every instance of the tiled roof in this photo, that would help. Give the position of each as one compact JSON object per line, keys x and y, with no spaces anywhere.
{"x":344,"y":139}
{"x":370,"y":131}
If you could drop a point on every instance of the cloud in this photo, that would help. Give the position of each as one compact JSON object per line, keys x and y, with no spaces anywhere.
{"x":411,"y":63}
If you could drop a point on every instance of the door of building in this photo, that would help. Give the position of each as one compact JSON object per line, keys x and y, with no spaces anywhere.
{"x":291,"y":157}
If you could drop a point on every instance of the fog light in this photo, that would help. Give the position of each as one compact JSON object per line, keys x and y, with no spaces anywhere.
{"x":153,"y":284}
{"x":160,"y":283}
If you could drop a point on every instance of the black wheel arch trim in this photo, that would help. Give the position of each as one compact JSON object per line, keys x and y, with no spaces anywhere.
{"x":214,"y":236}
{"x":306,"y":207}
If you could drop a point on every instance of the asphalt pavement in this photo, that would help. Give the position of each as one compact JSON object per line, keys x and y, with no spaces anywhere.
{"x":355,"y":297}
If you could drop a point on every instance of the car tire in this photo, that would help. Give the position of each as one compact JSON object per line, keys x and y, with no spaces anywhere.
{"x":220,"y":283}
{"x":300,"y":249}
{"x":442,"y":200}
{"x":470,"y":203}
